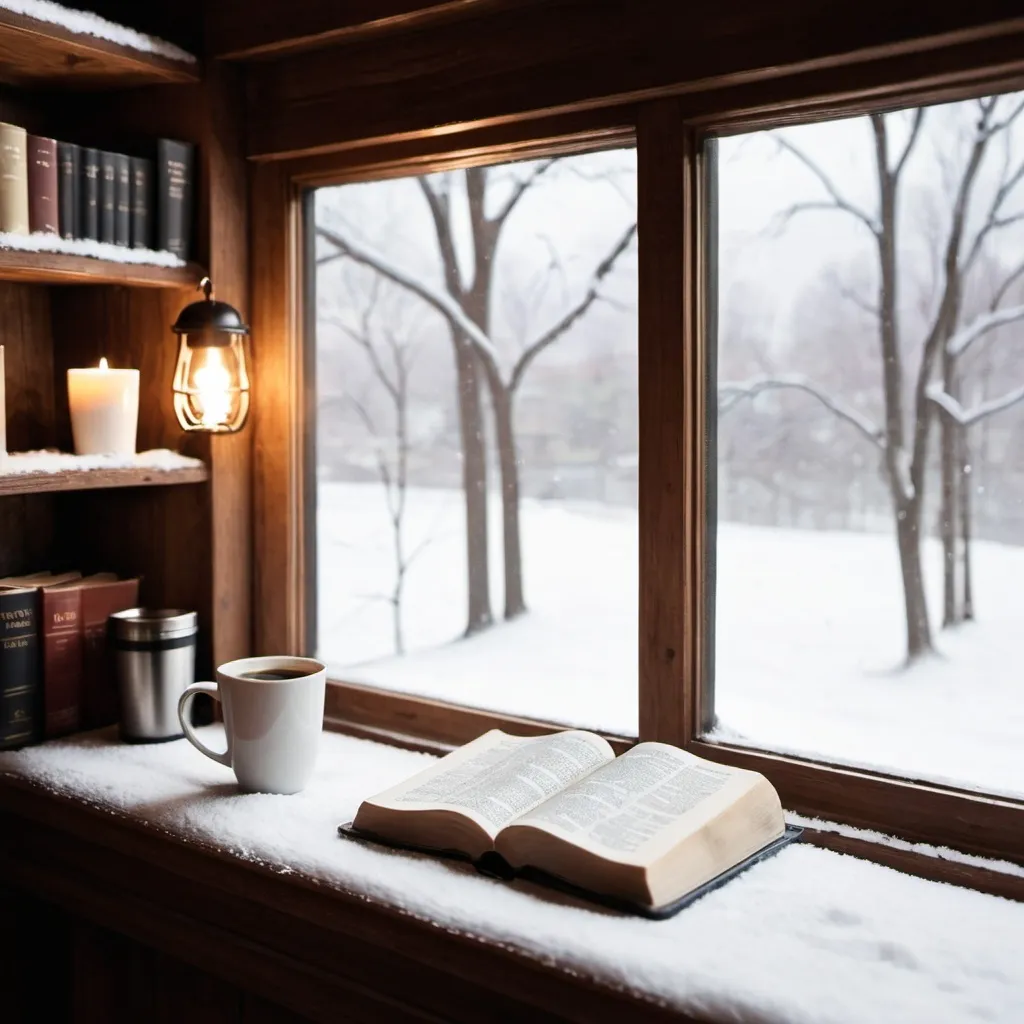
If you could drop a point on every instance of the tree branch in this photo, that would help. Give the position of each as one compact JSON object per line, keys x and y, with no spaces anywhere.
{"x":733,"y":393}
{"x":915,"y":130}
{"x":966,"y":417}
{"x":554,"y":332}
{"x":519,"y":188}
{"x":439,"y":300}
{"x":838,"y":201}
{"x":963,"y":339}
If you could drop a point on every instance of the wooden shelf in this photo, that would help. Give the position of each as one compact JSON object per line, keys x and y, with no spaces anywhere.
{"x":60,"y":268}
{"x":34,"y":52}
{"x":97,"y":479}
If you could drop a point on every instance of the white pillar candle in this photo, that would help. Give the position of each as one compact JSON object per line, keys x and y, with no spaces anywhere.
{"x":104,"y":409}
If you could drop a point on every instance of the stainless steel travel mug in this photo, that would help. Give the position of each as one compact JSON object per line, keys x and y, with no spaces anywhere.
{"x":155,"y":654}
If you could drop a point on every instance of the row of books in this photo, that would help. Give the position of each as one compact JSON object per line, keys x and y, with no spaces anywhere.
{"x":56,"y":675}
{"x":79,"y":192}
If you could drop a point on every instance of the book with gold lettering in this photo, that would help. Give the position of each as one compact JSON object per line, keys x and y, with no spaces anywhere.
{"x":19,"y":666}
{"x":647,"y":832}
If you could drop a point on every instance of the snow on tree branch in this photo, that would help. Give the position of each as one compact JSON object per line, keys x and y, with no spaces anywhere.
{"x":433,"y":296}
{"x":963,"y":339}
{"x":553,"y":333}
{"x":967,"y":417}
{"x":729,"y":394}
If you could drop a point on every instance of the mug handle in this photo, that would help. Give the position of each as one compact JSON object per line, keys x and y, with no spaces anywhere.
{"x":183,"y":705}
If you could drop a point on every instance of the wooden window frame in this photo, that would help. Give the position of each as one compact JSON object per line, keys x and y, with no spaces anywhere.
{"x":674,"y":648}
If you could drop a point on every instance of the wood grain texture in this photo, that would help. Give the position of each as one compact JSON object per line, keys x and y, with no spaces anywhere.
{"x":523,"y":59}
{"x":403,"y":719}
{"x":324,"y":955}
{"x":278,"y":417}
{"x":668,"y":417}
{"x":238,"y":29}
{"x":99,"y":479}
{"x":60,"y":268}
{"x":39,"y":53}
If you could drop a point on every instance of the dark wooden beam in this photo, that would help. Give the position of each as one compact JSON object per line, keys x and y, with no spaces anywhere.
{"x":502,"y":62}
{"x":241,"y":30}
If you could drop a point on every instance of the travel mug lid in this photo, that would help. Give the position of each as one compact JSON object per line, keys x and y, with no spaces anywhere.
{"x":144,"y":625}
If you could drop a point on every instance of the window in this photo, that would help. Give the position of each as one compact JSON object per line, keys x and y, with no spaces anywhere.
{"x":870,"y":464}
{"x":476,"y":436}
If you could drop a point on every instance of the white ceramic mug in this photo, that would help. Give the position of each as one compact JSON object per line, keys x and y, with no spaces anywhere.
{"x":272,"y":724}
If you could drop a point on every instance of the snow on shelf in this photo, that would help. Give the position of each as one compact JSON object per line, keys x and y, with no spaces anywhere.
{"x":806,"y":936}
{"x":44,"y":242}
{"x":89,"y":24}
{"x":157,"y":460}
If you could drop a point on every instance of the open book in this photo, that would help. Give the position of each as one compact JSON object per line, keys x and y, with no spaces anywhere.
{"x":643,"y":830}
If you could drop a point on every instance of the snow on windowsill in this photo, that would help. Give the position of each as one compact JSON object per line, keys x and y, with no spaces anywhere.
{"x":806,"y":936}
{"x":89,"y":24}
{"x":159,"y":460}
{"x":46,"y":242}
{"x":1000,"y":867}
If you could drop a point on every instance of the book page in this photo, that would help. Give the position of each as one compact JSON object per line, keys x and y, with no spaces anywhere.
{"x":637,"y":799}
{"x":496,"y":778}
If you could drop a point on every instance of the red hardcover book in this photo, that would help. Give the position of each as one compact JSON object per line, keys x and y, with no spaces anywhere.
{"x":62,"y":659}
{"x":43,"y":174}
{"x":102,"y":595}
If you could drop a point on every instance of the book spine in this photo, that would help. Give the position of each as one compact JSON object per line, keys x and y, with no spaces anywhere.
{"x":89,"y":193}
{"x":43,"y":208}
{"x":174,"y":196}
{"x":69,"y":159}
{"x":19,"y":667}
{"x":62,"y":661}
{"x":108,"y":195}
{"x":122,"y":199}
{"x":142,"y":203}
{"x":13,"y":179}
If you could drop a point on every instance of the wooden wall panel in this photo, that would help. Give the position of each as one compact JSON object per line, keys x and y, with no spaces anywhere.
{"x":511,"y":60}
{"x":214,"y":553}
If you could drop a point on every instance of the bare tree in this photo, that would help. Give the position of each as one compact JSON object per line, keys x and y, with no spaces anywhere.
{"x":903,"y":437}
{"x":389,"y":347}
{"x":467,"y":308}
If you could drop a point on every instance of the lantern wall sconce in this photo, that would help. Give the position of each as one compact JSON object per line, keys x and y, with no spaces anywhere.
{"x":211,"y":380}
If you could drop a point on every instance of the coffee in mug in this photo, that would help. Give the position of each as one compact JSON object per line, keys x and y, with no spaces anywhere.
{"x":273,"y":717}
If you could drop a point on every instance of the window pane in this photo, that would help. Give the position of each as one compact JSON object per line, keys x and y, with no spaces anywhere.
{"x":870,"y":537}
{"x":477,"y":436}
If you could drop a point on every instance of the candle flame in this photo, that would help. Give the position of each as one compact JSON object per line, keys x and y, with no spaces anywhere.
{"x":213,"y":384}
{"x":103,"y":363}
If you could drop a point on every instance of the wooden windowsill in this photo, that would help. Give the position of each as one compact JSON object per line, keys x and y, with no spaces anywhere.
{"x":156,"y":843}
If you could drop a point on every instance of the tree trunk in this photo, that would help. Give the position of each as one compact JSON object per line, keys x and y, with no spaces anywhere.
{"x":501,"y":398}
{"x":948,"y":431}
{"x":967,"y":609}
{"x":919,"y":640}
{"x":474,"y":486}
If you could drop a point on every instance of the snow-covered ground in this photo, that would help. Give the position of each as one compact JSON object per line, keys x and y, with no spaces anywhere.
{"x":809,"y":634}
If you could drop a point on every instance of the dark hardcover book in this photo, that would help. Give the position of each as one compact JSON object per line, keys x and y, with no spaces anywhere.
{"x":108,"y":195}
{"x":43,"y":174}
{"x":493,"y":865}
{"x":102,"y":595}
{"x":89,"y":194}
{"x":61,"y":619}
{"x":19,"y":666}
{"x":142,"y":203}
{"x":174,"y":172}
{"x":122,"y":199}
{"x":69,"y":189}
